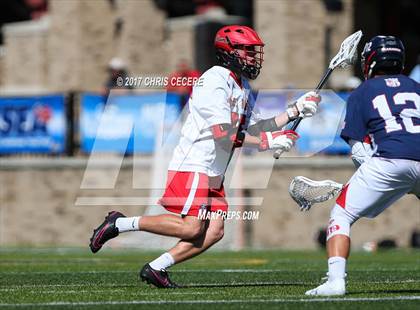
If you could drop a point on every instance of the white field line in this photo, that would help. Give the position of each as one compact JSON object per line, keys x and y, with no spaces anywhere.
{"x":187,"y":271}
{"x":191,"y":285}
{"x":112,"y":286}
{"x":222,"y":301}
{"x":159,"y":293}
{"x":283,"y":270}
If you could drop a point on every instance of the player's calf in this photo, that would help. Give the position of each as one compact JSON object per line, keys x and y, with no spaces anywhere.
{"x":215,"y":233}
{"x":218,"y":235}
{"x":338,"y":245}
{"x":338,"y":242}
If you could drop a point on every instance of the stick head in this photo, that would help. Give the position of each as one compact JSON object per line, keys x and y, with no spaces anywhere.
{"x":347,"y":54}
{"x":305,"y":192}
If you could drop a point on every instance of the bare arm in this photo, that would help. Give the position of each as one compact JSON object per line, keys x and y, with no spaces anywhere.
{"x":252,"y":141}
{"x":282,"y":119}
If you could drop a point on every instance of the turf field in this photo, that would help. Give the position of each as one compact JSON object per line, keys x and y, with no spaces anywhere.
{"x":64,"y":278}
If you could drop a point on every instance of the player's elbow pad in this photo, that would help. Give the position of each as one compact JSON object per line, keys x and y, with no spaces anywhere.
{"x":263,"y":125}
{"x":227,"y":137}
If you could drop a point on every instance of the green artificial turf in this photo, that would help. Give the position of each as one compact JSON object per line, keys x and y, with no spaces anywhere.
{"x":65,"y":278}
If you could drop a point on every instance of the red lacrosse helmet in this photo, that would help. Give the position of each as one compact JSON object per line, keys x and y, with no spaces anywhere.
{"x":241,"y":49}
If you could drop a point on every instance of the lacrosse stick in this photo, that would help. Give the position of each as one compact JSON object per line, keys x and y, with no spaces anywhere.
{"x":306,"y":192}
{"x":345,"y":57}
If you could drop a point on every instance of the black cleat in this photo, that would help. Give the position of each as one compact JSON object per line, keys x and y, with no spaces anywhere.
{"x":105,"y":231}
{"x":158,"y":278}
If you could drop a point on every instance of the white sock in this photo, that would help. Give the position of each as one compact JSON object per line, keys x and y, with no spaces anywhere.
{"x":336,"y":268}
{"x":127,"y":223}
{"x":162,"y":262}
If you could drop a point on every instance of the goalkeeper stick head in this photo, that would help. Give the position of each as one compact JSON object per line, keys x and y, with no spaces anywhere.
{"x":347,"y":54}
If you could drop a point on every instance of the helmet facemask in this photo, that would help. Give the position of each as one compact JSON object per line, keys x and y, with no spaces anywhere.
{"x":250,"y":59}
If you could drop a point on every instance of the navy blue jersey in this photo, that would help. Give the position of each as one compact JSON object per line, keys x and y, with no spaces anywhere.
{"x":387,"y":108}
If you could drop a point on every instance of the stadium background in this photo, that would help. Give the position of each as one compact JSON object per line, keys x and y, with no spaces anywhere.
{"x":65,"y":49}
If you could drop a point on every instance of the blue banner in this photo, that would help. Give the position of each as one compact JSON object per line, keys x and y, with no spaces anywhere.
{"x":126,"y":123}
{"x":32,"y":124}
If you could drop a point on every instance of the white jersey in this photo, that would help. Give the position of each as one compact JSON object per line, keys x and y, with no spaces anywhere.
{"x":218,"y":99}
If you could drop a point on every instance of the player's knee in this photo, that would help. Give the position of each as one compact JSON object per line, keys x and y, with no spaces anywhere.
{"x":217,"y":234}
{"x":340,"y":222}
{"x":193,"y":230}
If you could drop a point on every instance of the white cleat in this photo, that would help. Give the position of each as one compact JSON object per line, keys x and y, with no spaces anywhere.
{"x":336,"y":287}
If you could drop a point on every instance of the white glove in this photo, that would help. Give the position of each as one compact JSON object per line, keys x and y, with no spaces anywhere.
{"x":279,"y":140}
{"x":361,"y":152}
{"x":305,"y":106}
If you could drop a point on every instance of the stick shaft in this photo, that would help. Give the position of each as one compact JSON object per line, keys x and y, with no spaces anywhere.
{"x":296,"y":123}
{"x":324,"y":79}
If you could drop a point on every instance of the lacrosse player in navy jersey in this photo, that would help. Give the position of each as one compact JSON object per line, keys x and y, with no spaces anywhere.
{"x":382,"y":126}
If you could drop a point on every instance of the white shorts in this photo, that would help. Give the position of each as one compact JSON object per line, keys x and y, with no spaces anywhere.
{"x":377,"y":184}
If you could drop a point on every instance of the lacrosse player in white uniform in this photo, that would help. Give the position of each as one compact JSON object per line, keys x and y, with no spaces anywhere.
{"x":221,"y":118}
{"x":386,"y":107}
